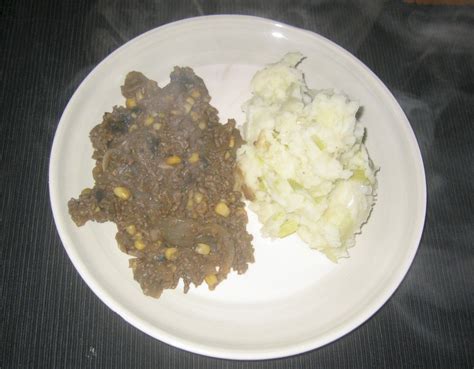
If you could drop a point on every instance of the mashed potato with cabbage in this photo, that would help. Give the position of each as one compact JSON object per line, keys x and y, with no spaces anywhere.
{"x":305,"y":167}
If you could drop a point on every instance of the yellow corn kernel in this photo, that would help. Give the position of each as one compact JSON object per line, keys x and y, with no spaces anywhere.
{"x":193,"y":158}
{"x":203,"y":249}
{"x":171,"y":253}
{"x":202,"y":125}
{"x":173,"y":160}
{"x":222,"y":209}
{"x":139,"y":244}
{"x":86,"y":191}
{"x":149,"y":120}
{"x":122,"y":193}
{"x":227,"y":155}
{"x":195,"y":93}
{"x":211,"y":280}
{"x":198,"y":197}
{"x":157,"y":126}
{"x":131,"y":229}
{"x":231,"y":142}
{"x":131,"y":103}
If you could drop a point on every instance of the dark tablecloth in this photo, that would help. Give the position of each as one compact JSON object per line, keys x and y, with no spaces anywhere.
{"x":423,"y":53}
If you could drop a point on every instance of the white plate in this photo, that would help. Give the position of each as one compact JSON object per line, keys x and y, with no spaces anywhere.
{"x":292,"y":299}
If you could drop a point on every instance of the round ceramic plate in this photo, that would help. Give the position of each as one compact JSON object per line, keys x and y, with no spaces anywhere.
{"x":292,"y":299}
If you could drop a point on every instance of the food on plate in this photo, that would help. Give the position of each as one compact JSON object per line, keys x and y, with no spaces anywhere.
{"x":164,"y":173}
{"x":305,"y":166}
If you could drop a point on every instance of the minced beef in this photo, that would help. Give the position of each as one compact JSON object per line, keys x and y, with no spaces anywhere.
{"x":164,"y":174}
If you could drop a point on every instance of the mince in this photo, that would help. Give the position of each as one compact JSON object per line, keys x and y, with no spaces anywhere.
{"x":164,"y":173}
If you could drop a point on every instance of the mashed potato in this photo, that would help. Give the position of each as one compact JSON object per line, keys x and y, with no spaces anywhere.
{"x":305,"y":166}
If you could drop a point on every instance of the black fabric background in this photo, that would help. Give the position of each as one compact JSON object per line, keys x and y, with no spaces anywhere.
{"x":49,"y":318}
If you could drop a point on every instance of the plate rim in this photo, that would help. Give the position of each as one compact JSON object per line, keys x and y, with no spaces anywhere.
{"x":238,"y":354}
